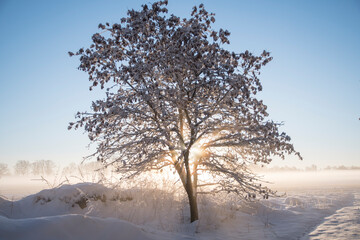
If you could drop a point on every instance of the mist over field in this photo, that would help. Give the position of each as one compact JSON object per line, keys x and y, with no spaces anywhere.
{"x":159,"y":206}
{"x":15,"y":187}
{"x":326,"y":179}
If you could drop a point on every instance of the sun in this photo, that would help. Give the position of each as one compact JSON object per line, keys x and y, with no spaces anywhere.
{"x":196,"y":152}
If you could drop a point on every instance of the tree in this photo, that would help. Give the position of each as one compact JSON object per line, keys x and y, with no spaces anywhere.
{"x":175,"y":97}
{"x":22,"y":167}
{"x":70,"y":169}
{"x":41,"y":167}
{"x":311,"y":168}
{"x":4,"y":170}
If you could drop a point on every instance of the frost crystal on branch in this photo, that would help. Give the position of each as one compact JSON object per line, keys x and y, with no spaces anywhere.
{"x":179,"y":99}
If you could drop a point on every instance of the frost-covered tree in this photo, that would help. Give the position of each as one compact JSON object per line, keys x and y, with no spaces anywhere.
{"x":4,"y":170}
{"x":175,"y":97}
{"x":42,"y":167}
{"x":22,"y":167}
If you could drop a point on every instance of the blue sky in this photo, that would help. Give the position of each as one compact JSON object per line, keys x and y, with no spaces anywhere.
{"x":313,"y":83}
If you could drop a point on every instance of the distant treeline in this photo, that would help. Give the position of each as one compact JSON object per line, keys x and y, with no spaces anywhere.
{"x":48,"y":167}
{"x":84,"y":171}
{"x":295,"y":169}
{"x":25,"y":167}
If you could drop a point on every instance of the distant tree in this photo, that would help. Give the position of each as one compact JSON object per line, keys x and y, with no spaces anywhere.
{"x":70,"y":169}
{"x":42,"y":167}
{"x":87,"y":171}
{"x":22,"y":167}
{"x":4,"y":170}
{"x":179,"y":99}
{"x":328,"y":168}
{"x":91,"y":171}
{"x":342,"y":167}
{"x":354,"y":168}
{"x":311,"y":168}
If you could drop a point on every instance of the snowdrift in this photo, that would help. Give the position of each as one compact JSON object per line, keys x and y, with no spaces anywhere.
{"x":93,"y":211}
{"x":81,"y":211}
{"x":70,"y":226}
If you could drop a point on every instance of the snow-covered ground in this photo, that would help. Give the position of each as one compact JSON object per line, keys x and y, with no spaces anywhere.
{"x":93,"y":211}
{"x":344,"y":224}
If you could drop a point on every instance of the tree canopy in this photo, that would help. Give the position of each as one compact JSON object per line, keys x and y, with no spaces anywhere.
{"x":176,"y":97}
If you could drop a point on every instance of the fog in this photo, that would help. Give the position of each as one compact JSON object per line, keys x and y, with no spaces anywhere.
{"x":325,"y":179}
{"x":16,"y":187}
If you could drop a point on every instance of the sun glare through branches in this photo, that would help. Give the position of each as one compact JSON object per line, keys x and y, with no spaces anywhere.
{"x":180,"y":99}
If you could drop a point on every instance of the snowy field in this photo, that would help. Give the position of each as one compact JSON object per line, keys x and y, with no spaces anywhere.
{"x":326,"y":205}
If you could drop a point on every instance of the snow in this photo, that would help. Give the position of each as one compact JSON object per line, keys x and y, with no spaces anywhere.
{"x":93,"y":211}
{"x":344,"y":224}
{"x":70,"y":226}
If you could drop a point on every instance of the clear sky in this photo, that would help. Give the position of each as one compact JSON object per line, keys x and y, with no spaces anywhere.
{"x":312,"y":85}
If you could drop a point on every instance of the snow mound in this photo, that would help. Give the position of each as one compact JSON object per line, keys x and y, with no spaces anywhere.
{"x":93,"y":211}
{"x":71,"y":226}
{"x":81,"y":211}
{"x":68,"y":199}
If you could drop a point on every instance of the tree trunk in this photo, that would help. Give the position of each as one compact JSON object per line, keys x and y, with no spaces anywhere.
{"x":194,"y":214}
{"x":191,"y":193}
{"x":190,"y":190}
